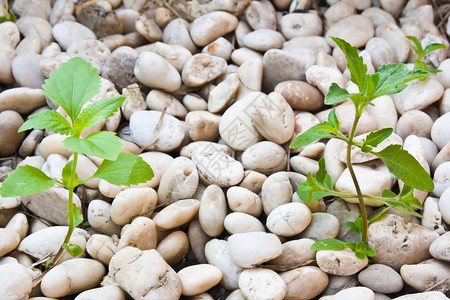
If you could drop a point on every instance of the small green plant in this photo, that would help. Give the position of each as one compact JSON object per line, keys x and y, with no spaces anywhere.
{"x":389,"y":79}
{"x":8,"y":16}
{"x":71,"y":86}
{"x":420,"y":52}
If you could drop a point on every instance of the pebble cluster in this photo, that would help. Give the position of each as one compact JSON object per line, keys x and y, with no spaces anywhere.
{"x":216,"y":91}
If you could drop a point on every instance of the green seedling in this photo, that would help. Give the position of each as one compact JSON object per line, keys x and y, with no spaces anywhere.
{"x":389,"y":79}
{"x":71,"y":87}
{"x":8,"y":16}
{"x":420,"y":52}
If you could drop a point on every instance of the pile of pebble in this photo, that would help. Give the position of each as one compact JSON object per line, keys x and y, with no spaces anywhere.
{"x":216,"y":91}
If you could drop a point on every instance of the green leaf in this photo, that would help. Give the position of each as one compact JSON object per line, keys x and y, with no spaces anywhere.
{"x":309,"y":190}
{"x":97,"y":112}
{"x":360,"y":250}
{"x":359,"y":223}
{"x":72,"y":85}
{"x":309,"y":136}
{"x":328,"y":244}
{"x":417,"y":46}
{"x":320,"y":175}
{"x":352,"y":226}
{"x":336,"y":94}
{"x":49,"y":120}
{"x":388,"y":194}
{"x":375,"y":138}
{"x":66,"y":172}
{"x":378,"y":215}
{"x":370,"y":252}
{"x":103,"y":144}
{"x":433,"y":46}
{"x":77,"y":216}
{"x":355,"y":63}
{"x":72,"y":249}
{"x":420,"y":65}
{"x":25,"y":180}
{"x":351,"y":246}
{"x":406,"y":168}
{"x":333,"y":120}
{"x":328,"y":182}
{"x":127,"y":169}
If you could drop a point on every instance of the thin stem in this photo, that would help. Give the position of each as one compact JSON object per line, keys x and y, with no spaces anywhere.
{"x":355,"y":180}
{"x":71,"y":186}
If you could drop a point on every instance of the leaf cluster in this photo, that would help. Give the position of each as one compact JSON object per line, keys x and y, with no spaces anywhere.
{"x":416,"y":45}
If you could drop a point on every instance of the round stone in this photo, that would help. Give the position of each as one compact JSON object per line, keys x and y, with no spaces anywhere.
{"x":355,"y":29}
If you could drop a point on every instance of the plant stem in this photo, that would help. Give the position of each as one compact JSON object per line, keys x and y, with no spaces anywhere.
{"x":355,"y":180}
{"x":71,"y":186}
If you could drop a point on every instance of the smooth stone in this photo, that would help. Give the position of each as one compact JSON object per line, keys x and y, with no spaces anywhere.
{"x":9,"y":202}
{"x":71,"y":277}
{"x":194,"y":102}
{"x":68,"y":32}
{"x":439,"y":248}
{"x":272,"y":116}
{"x":418,"y":95}
{"x":408,"y":243}
{"x":202,"y":125}
{"x":444,"y":204}
{"x":251,"y":75}
{"x":177,"y":214}
{"x":16,"y":282}
{"x":218,"y":254}
{"x":432,"y":217}
{"x":102,"y":293}
{"x":241,"y":199}
{"x":289,"y":219}
{"x":144,"y":274}
{"x":199,"y":278}
{"x":26,"y":71}
{"x":10,"y":139}
{"x":426,"y":274}
{"x":357,"y":292}
{"x":119,"y":66}
{"x":131,"y":203}
{"x":9,"y":33}
{"x":381,"y":279}
{"x":276,"y":190}
{"x":414,"y":122}
{"x":431,"y":151}
{"x":394,"y":35}
{"x":212,"y":211}
{"x":280,"y":65}
{"x":239,"y":222}
{"x":62,"y":10}
{"x":134,"y":101}
{"x":304,"y":282}
{"x":378,"y":16}
{"x":296,"y":253}
{"x":443,"y":76}
{"x":93,"y":51}
{"x":174,"y":247}
{"x":7,"y":55}
{"x":338,"y":11}
{"x":261,"y":15}
{"x":219,"y":47}
{"x":381,"y":52}
{"x":440,"y":179}
{"x":192,"y":147}
{"x":54,"y":165}
{"x":439,"y":135}
{"x":345,"y":114}
{"x":355,"y":29}
{"x":221,"y":95}
{"x":322,"y":226}
{"x":304,"y":165}
{"x":99,"y":17}
{"x":303,"y":121}
{"x":373,"y":177}
{"x":102,"y":247}
{"x":300,"y":95}
{"x":340,"y":262}
{"x":48,"y":240}
{"x":19,"y":224}
{"x":265,"y":157}
{"x":179,"y":181}
{"x":322,"y":77}
{"x":37,"y":27}
{"x":253,"y":248}
{"x":236,"y":295}
{"x":295,"y":25}
{"x":210,"y":26}
{"x":148,"y":28}
{"x":10,"y":239}
{"x":425,"y":295}
{"x":156,"y":72}
{"x":201,"y":69}
{"x":198,"y":239}
{"x":241,"y":55}
{"x":259,"y":283}
{"x":177,"y":33}
{"x":140,"y":233}
{"x":263,"y":39}
{"x":143,"y":127}
{"x":253,"y":181}
{"x":336,"y":283}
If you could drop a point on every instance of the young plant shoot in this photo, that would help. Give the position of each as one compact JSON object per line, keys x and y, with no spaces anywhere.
{"x":71,"y":87}
{"x":389,"y":79}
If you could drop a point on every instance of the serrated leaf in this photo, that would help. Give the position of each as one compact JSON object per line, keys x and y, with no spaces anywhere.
{"x":72,"y":249}
{"x":97,"y":112}
{"x":127,"y":169}
{"x":77,"y":216}
{"x":406,"y":168}
{"x":66,"y":172}
{"x":103,"y":144}
{"x":49,"y":120}
{"x":72,"y":85}
{"x":336,"y":94}
{"x":309,"y":136}
{"x":376,"y":137}
{"x":433,"y":46}
{"x":366,"y":149}
{"x":328,"y":244}
{"x":355,"y":62}
{"x":25,"y":180}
